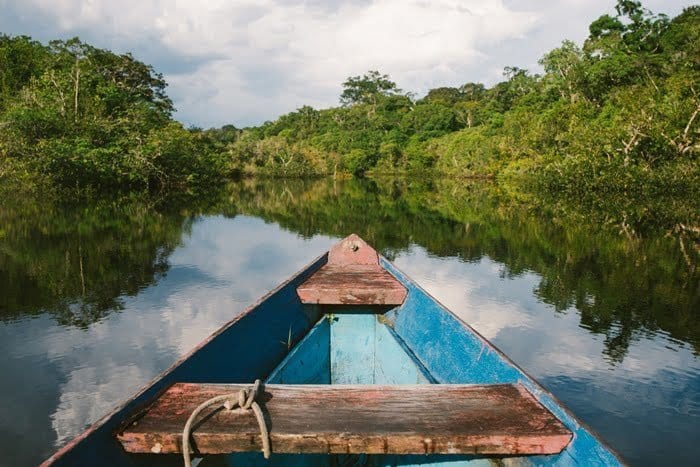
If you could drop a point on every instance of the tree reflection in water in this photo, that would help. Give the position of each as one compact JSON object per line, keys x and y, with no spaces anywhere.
{"x":77,"y":260}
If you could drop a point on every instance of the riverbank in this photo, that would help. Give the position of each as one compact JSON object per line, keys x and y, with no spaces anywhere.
{"x":615,"y":117}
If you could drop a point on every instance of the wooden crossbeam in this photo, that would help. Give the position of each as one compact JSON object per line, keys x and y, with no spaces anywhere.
{"x":352,"y":276}
{"x":409,"y":419}
{"x":352,"y":286}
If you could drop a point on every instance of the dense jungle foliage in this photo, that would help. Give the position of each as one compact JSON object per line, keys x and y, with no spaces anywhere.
{"x":612,"y":124}
{"x":74,"y":115}
{"x":619,"y":114}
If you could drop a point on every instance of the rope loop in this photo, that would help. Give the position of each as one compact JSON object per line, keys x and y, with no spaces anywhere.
{"x":246,"y":400}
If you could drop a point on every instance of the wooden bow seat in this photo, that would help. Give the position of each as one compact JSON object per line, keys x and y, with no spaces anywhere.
{"x":501,"y":419}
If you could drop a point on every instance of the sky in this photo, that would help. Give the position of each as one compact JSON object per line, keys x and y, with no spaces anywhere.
{"x":243,"y":62}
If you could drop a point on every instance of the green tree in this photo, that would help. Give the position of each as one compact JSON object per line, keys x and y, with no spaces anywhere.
{"x":367,"y":89}
{"x":430,"y":120}
{"x":564,"y":70}
{"x":21,"y":60}
{"x":468,"y":109}
{"x":444,"y":95}
{"x":80,"y":116}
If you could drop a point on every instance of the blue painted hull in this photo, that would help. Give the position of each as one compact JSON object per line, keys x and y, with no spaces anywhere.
{"x":418,"y":342}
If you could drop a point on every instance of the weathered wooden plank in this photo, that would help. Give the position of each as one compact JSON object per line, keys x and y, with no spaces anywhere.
{"x":352,"y":285}
{"x":409,"y":419}
{"x":352,"y":276}
{"x":353,"y":348}
{"x":363,"y":351}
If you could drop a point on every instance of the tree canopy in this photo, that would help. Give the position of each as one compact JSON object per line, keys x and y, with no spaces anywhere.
{"x":81,"y":116}
{"x":367,"y":89}
{"x":614,"y":118}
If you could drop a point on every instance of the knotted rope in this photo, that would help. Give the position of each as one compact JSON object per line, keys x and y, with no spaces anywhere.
{"x":245,"y":399}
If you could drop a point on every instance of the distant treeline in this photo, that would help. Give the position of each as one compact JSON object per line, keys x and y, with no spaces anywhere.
{"x":615,"y":117}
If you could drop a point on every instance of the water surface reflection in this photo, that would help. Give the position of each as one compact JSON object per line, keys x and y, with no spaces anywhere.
{"x":99,"y":297}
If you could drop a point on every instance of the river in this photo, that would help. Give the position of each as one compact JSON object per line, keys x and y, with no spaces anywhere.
{"x":99,"y":296}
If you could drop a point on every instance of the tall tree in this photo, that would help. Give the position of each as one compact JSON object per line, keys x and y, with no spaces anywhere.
{"x":367,"y":89}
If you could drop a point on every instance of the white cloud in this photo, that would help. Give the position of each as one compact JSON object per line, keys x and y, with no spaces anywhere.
{"x":297,"y":54}
{"x":246,"y":61}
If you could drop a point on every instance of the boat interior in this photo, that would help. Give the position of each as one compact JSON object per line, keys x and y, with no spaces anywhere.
{"x":351,"y":346}
{"x":313,"y":330}
{"x":348,"y":345}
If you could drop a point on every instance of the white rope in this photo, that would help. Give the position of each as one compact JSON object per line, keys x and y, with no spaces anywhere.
{"x":245,"y":399}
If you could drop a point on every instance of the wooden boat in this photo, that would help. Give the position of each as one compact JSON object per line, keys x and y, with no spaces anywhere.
{"x":360,"y":367}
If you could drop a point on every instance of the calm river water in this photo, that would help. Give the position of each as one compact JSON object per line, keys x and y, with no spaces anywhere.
{"x":99,"y":297}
